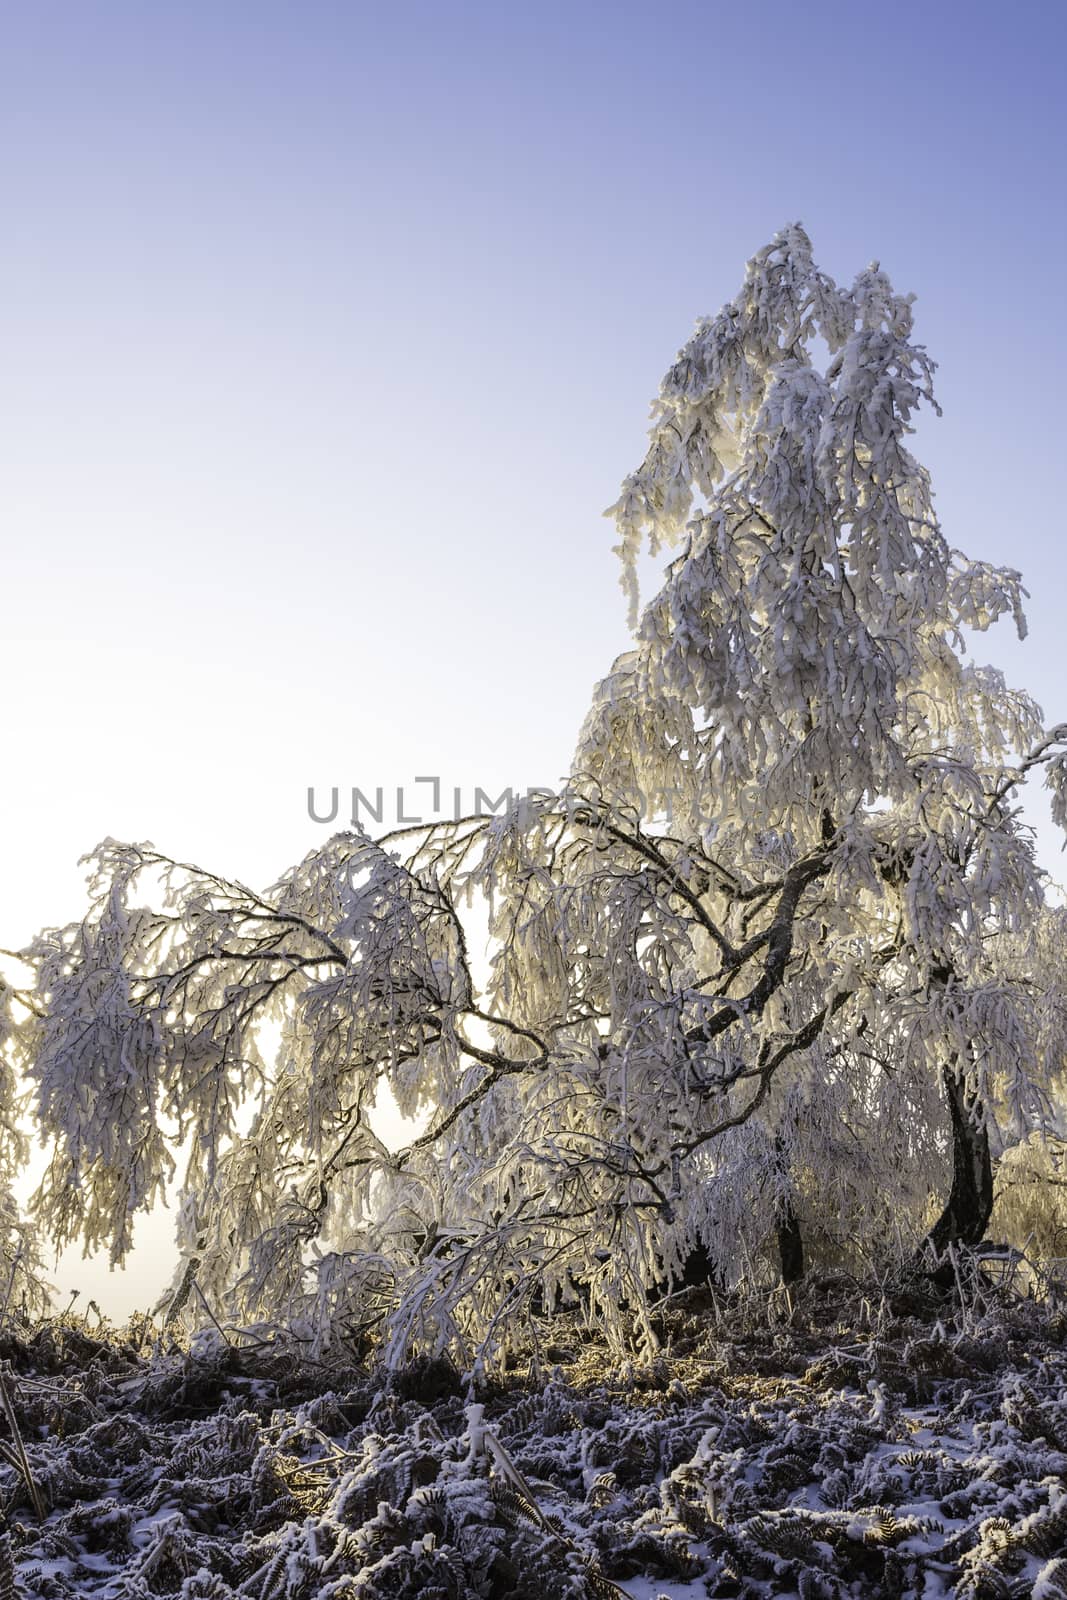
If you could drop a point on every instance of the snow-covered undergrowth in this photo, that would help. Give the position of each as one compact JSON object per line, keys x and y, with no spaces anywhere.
{"x":860,"y":1446}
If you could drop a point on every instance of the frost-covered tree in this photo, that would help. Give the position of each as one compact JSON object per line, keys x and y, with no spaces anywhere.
{"x":22,"y":1284}
{"x":774,"y":966}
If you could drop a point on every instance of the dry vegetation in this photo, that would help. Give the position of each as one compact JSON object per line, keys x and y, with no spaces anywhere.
{"x":854,"y":1442}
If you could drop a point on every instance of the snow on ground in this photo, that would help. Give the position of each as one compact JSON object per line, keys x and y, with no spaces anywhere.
{"x":860,"y":1449}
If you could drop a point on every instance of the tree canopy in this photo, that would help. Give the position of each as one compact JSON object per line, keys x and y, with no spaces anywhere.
{"x":774,"y":977}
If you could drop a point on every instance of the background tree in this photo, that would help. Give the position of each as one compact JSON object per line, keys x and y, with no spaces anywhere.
{"x":22,"y":1281}
{"x":774,"y":964}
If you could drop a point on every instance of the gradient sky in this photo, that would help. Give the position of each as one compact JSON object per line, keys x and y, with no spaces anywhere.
{"x":330,"y":329}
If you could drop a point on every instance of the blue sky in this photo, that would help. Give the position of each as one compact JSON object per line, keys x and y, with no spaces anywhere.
{"x":330,"y":329}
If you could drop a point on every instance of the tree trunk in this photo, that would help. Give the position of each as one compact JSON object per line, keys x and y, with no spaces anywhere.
{"x":790,"y":1245}
{"x":700,"y":1270}
{"x":970,"y":1202}
{"x":787,"y":1226}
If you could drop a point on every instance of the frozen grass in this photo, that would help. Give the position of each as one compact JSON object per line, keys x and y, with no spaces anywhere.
{"x":860,"y":1443}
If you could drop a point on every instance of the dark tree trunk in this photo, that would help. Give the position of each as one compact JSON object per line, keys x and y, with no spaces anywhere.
{"x":699,"y":1271}
{"x":787,"y":1225}
{"x":790,"y":1245}
{"x":970,"y":1202}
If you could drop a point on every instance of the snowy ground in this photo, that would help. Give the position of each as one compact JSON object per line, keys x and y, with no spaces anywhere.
{"x":864,"y":1448}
